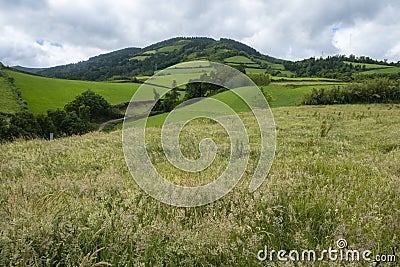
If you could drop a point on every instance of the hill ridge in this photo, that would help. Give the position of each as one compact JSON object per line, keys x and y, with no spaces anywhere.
{"x":133,"y":61}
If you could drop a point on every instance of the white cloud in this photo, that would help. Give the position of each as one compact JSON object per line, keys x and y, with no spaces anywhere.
{"x":287,"y":29}
{"x":378,"y":38}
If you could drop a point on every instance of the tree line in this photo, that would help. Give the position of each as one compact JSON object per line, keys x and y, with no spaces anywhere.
{"x":80,"y":116}
{"x":380,"y":90}
{"x":335,"y":67}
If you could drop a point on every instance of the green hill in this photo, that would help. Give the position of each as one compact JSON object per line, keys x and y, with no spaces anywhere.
{"x":43,"y":94}
{"x":131,"y":62}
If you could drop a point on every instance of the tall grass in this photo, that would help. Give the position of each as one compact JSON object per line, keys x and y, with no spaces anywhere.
{"x":72,"y":201}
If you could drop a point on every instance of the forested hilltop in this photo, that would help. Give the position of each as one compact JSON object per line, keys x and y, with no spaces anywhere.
{"x":130,"y":62}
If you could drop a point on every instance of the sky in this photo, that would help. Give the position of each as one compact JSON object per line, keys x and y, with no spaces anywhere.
{"x":43,"y":33}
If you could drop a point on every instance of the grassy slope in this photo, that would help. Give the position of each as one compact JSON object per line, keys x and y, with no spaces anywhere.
{"x":382,"y":71}
{"x":46,"y":93}
{"x":72,"y":201}
{"x":239,"y":60}
{"x":368,"y":66}
{"x":376,"y":68}
{"x":8,"y":100}
{"x":291,"y":94}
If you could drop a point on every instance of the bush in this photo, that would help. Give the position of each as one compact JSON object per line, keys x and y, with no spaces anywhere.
{"x":91,"y":106}
{"x":260,"y":79}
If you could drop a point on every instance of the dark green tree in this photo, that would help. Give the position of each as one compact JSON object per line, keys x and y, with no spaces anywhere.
{"x":46,"y":126}
{"x":91,"y":106}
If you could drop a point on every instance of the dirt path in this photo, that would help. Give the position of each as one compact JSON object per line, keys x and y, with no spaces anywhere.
{"x":101,"y":126}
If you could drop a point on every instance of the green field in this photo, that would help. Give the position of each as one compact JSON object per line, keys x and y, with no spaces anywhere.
{"x":150,"y":52}
{"x":299,"y":79}
{"x":43,"y":94}
{"x":368,"y":66}
{"x":376,"y":68}
{"x":239,"y":60}
{"x":171,"y":48}
{"x":383,"y":71}
{"x":72,"y":201}
{"x":140,"y":58}
{"x":254,"y":70}
{"x":275,"y":66}
{"x":291,"y":94}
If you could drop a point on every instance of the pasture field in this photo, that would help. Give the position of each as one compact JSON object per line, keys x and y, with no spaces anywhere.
{"x":275,"y":66}
{"x":368,"y":66}
{"x":376,"y":68}
{"x":171,"y":48}
{"x":43,"y":93}
{"x":239,"y":60}
{"x":72,"y":201}
{"x":140,"y":58}
{"x":383,"y":71}
{"x":298,"y":79}
{"x":291,"y":94}
{"x":150,"y":52}
{"x":254,"y":70}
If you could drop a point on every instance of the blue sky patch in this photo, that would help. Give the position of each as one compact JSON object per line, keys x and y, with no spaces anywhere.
{"x":42,"y":42}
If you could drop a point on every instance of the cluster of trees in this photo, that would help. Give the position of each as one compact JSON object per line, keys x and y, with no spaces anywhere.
{"x":261,"y":79}
{"x":335,"y":67}
{"x":381,"y":90}
{"x":78,"y":117}
{"x":368,"y":60}
{"x":330,"y":67}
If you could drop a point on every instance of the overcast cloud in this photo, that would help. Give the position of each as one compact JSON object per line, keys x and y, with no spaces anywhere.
{"x":42,"y":33}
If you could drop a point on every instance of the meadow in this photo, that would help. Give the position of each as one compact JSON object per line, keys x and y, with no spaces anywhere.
{"x":391,"y":70}
{"x":368,"y":66}
{"x":291,"y":94}
{"x":371,"y":69}
{"x":72,"y":201}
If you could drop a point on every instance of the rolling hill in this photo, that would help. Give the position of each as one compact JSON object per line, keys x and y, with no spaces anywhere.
{"x":145,"y":61}
{"x":42,"y":93}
